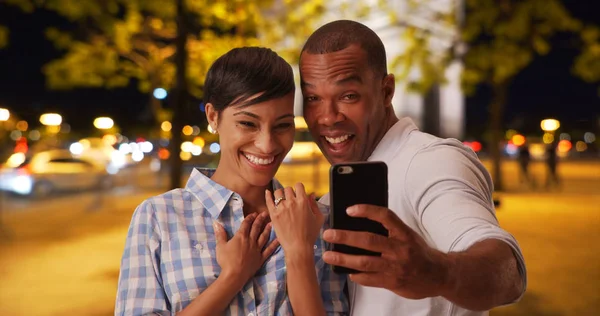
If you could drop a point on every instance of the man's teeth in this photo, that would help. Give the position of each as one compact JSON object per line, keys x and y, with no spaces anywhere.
{"x":259,"y":161}
{"x":337,"y":140}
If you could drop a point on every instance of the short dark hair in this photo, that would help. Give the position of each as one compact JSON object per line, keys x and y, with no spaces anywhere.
{"x":338,"y":35}
{"x":246,"y":71}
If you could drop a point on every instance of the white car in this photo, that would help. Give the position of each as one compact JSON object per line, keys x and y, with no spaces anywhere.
{"x":50,"y":171}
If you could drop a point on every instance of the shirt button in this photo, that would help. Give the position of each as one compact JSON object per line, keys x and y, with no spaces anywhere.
{"x":250,"y":314}
{"x":315,"y":247}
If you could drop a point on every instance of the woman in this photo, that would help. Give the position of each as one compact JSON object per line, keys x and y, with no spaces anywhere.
{"x":208,"y":249}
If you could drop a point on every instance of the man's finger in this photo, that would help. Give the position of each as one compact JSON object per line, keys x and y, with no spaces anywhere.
{"x":360,"y":263}
{"x":373,"y":279}
{"x":364,"y":240}
{"x":379,"y":214}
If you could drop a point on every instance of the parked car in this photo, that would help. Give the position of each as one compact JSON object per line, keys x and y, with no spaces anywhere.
{"x":51,"y":171}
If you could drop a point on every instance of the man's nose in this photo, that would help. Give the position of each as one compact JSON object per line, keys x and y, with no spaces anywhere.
{"x":330,"y":115}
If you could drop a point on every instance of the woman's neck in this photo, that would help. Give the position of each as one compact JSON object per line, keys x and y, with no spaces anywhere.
{"x":253,"y":196}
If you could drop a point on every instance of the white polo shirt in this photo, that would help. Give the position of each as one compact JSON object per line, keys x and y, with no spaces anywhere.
{"x":441,"y":190}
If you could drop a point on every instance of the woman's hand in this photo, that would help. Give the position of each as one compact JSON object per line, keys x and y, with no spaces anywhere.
{"x":240,"y":257}
{"x":296,"y":218}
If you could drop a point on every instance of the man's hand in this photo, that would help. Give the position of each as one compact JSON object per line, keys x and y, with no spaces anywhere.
{"x":407,"y":266}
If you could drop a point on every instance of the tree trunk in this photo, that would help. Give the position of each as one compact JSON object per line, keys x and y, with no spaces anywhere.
{"x":431,"y":111}
{"x":180,"y":97}
{"x":500,"y":90}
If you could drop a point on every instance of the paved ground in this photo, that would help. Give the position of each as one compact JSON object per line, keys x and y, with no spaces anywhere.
{"x":61,"y":256}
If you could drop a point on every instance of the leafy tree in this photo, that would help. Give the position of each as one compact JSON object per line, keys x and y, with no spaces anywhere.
{"x":496,"y":41}
{"x":166,"y":43}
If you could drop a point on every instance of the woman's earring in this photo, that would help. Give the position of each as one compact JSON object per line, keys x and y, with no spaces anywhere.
{"x":212,"y":130}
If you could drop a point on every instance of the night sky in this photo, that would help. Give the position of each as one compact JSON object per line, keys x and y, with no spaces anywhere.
{"x":546,"y":88}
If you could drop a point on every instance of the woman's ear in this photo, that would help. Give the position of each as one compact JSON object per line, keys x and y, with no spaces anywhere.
{"x":212,"y":116}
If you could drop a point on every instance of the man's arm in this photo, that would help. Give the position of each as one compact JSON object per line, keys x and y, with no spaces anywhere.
{"x":484,"y":276}
{"x":453,"y":200}
{"x":467,"y":258}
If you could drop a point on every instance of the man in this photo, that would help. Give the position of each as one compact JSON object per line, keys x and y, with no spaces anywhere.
{"x":445,"y":253}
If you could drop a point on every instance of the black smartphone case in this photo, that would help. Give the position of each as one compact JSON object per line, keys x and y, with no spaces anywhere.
{"x":364,"y":183}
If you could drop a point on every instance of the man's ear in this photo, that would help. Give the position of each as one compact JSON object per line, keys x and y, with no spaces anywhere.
{"x":389,"y":87}
{"x":212,"y":116}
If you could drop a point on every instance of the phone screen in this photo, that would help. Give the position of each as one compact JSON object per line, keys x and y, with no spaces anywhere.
{"x":351,"y":184}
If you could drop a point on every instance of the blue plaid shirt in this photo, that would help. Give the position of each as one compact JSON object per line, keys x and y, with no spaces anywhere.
{"x":170,"y":256}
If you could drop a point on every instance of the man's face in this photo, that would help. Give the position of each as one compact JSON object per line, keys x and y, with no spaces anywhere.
{"x":345,"y":103}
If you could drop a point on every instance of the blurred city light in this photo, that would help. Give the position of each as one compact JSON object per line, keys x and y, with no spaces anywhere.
{"x":215,"y":147}
{"x":581,"y":146}
{"x":550,"y":125}
{"x":15,"y":160}
{"x":518,"y":140}
{"x":53,"y":129}
{"x":125,"y":149}
{"x":103,"y":123}
{"x":160,"y":93}
{"x":65,"y":128}
{"x":564,"y":146}
{"x":146,"y":147}
{"x":51,"y":119}
{"x":197,"y":150}
{"x":511,"y":149}
{"x":185,"y":156}
{"x":565,"y":136}
{"x":300,"y":122}
{"x":14,"y":135}
{"x":589,"y":137}
{"x":76,"y":148}
{"x":187,"y":130}
{"x":22,"y":126}
{"x":109,"y":139}
{"x":117,"y":159}
{"x":187,"y":147}
{"x":163,"y":154}
{"x":4,"y":115}
{"x":34,"y":135}
{"x":510,"y":133}
{"x":155,"y":165}
{"x":137,"y":156}
{"x":199,"y":141}
{"x":163,"y":142}
{"x":195,"y":130}
{"x":548,"y":138}
{"x":166,"y":126}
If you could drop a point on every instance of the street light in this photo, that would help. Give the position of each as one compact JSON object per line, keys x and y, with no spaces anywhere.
{"x":51,"y":119}
{"x":550,"y":125}
{"x":4,"y":115}
{"x":103,"y":123}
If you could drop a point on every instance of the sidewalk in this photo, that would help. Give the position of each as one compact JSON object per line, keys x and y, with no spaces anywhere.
{"x":66,"y":264}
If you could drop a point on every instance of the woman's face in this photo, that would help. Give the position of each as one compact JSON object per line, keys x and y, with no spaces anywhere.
{"x":254,"y":139}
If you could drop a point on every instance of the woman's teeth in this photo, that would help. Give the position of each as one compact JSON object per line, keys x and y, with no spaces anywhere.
{"x":337,"y":140}
{"x":259,"y":161}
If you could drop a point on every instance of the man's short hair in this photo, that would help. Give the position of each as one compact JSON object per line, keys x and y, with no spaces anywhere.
{"x":341,"y":34}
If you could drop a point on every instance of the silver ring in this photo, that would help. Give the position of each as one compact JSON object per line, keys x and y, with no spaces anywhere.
{"x":278,"y":200}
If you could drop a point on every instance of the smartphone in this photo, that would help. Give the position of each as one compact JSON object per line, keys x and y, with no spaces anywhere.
{"x":351,"y":184}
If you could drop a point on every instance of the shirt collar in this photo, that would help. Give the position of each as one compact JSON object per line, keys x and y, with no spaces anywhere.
{"x":212,"y":195}
{"x":393,"y":138}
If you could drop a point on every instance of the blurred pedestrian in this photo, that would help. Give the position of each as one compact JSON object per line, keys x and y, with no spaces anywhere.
{"x":524,"y":160}
{"x":552,"y":179}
